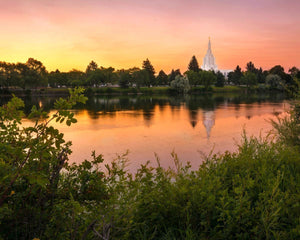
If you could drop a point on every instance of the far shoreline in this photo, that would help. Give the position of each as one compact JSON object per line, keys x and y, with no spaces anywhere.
{"x":64,"y":91}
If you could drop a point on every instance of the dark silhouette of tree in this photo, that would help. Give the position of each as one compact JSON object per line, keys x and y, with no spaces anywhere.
{"x":150,"y":69}
{"x":193,"y":65}
{"x":235,"y":76}
{"x":125,"y":79}
{"x":194,"y":77}
{"x":249,"y":79}
{"x":261,"y":78}
{"x":76,"y":78}
{"x":162,"y":78}
{"x":91,"y":67}
{"x":140,"y":77}
{"x":208,"y":78}
{"x":294,"y":71}
{"x":277,"y":69}
{"x":35,"y":73}
{"x":173,"y":74}
{"x":220,"y":82}
{"x":250,"y":67}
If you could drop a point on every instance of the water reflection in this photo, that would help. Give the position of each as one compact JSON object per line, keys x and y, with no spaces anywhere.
{"x":145,"y":125}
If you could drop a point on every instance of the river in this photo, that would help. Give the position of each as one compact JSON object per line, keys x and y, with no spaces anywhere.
{"x":145,"y":126}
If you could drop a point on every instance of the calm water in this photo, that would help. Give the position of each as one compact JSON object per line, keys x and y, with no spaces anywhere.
{"x":190,"y":126}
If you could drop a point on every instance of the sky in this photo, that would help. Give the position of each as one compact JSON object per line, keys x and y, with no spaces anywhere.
{"x":68,"y":34}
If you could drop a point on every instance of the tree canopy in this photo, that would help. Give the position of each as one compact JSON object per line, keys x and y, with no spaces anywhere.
{"x":193,"y":65}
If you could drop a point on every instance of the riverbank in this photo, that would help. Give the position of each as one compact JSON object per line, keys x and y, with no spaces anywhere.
{"x":127,"y":91}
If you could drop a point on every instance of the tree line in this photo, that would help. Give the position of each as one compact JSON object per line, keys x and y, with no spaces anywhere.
{"x":33,"y":74}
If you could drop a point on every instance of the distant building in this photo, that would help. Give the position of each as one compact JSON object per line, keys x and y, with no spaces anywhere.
{"x":209,"y":60}
{"x":210,"y":64}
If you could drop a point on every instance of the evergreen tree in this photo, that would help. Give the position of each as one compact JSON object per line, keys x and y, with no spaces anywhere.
{"x":150,"y":69}
{"x":250,"y":67}
{"x":173,"y":74}
{"x":162,"y":78}
{"x":91,"y":67}
{"x":193,"y":65}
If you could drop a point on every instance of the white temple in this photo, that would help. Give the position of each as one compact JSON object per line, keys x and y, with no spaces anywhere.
{"x":208,"y":121}
{"x":209,"y":60}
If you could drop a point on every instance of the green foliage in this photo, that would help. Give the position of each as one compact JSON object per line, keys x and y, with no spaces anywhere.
{"x":180,"y":84}
{"x":31,"y":159}
{"x":288,"y":128}
{"x":124,"y":80}
{"x":249,"y":79}
{"x":220,"y":82}
{"x":275,"y":82}
{"x":162,"y":78}
{"x":235,"y":76}
{"x":207,"y":79}
{"x":194,"y":77}
{"x":150,"y":70}
{"x":193,"y":65}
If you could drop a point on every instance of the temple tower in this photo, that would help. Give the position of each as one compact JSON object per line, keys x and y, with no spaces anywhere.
{"x":209,"y":60}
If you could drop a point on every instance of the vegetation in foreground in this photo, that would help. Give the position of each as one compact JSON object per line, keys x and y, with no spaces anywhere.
{"x":251,"y":194}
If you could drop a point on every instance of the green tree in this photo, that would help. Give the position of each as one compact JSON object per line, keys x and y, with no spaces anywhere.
{"x":193,"y":77}
{"x":125,"y":79}
{"x":95,"y":78}
{"x":91,"y":67}
{"x":207,"y":79}
{"x":293,"y":71}
{"x":162,"y":78}
{"x":249,"y":79}
{"x":108,"y":74}
{"x":35,"y":74}
{"x":220,"y":81}
{"x":173,"y":74}
{"x":75,"y":78}
{"x":261,"y":77}
{"x":150,"y":70}
{"x":250,"y":67}
{"x":193,"y":65}
{"x":275,"y":81}
{"x":291,"y":85}
{"x":235,"y":76}
{"x":141,"y":78}
{"x":180,"y":84}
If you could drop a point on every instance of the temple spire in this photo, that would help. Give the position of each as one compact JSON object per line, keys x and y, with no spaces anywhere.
{"x":209,"y":59}
{"x":209,"y":45}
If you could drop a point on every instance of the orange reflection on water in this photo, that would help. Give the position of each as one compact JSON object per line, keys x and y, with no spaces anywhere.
{"x":165,"y":129}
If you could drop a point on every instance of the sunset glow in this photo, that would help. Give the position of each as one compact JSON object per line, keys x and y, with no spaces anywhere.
{"x":66,"y":34}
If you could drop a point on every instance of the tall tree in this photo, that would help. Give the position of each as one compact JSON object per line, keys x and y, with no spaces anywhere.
{"x":35,"y":73}
{"x":261,"y":78}
{"x":250,"y":67}
{"x":235,"y":76}
{"x":249,"y":78}
{"x":150,"y":69}
{"x":193,"y":65}
{"x":220,"y":82}
{"x":91,"y":67}
{"x":162,"y":78}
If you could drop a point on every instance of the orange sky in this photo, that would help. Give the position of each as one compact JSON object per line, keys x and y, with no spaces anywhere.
{"x":68,"y":34}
